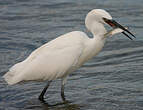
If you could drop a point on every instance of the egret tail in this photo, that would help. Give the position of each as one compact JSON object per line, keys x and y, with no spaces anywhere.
{"x":13,"y":75}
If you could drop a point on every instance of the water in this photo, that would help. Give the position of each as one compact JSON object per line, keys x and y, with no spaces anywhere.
{"x":113,"y":80}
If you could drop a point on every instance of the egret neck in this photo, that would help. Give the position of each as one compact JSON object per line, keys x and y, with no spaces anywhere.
{"x":95,"y":44}
{"x":98,"y":30}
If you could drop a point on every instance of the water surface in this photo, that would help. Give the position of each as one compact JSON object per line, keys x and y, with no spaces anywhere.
{"x":113,"y":80}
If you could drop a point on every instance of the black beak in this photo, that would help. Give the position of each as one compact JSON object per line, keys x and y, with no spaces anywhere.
{"x":114,"y":24}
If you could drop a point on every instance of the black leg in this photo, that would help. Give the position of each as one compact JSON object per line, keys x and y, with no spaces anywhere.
{"x":41,"y":97}
{"x":62,"y":93}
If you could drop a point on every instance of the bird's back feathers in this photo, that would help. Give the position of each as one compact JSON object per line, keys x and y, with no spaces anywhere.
{"x":50,"y":61}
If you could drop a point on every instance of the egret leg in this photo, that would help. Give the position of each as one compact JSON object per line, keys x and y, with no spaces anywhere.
{"x":41,"y":97}
{"x":62,"y":93}
{"x":62,"y":89}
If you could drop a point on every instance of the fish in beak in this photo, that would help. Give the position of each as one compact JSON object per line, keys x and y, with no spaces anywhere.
{"x":114,"y":24}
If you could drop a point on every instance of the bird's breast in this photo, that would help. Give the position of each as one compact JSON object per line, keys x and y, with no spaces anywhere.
{"x":91,"y":50}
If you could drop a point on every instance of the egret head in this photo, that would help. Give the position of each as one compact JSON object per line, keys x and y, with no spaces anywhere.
{"x":100,"y":16}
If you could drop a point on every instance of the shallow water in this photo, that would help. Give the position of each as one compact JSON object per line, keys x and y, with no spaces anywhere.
{"x":113,"y":80}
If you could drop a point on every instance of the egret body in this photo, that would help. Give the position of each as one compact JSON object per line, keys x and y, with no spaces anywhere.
{"x":65,"y":54}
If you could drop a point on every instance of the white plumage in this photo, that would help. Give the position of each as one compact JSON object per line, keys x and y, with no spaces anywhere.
{"x":54,"y":59}
{"x":63,"y":55}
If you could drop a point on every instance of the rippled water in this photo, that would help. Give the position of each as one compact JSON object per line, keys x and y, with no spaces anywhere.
{"x":113,"y":80}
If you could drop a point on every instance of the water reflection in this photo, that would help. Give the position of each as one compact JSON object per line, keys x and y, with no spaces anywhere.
{"x":35,"y":104}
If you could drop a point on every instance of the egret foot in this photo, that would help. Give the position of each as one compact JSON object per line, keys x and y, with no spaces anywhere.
{"x":41,"y":98}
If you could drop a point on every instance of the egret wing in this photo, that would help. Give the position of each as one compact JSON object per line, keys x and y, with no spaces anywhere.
{"x":53,"y":64}
{"x":52,"y":60}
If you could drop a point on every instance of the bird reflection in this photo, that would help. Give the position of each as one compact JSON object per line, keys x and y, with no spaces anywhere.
{"x":38,"y":105}
{"x":61,"y":106}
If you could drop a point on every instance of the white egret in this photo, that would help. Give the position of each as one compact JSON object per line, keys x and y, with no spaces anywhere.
{"x":65,"y":54}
